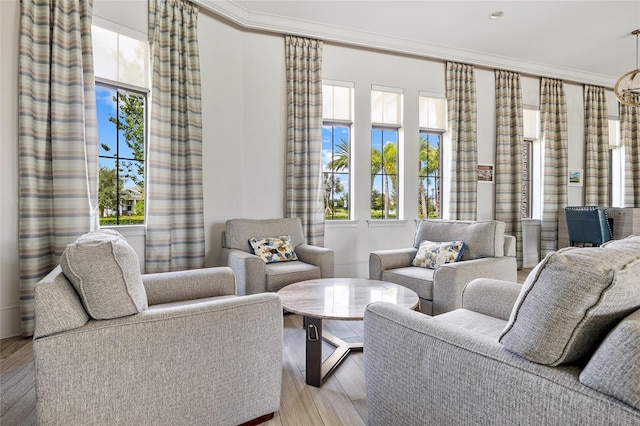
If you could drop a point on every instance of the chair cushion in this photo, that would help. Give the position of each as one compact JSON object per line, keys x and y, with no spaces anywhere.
{"x":104,"y":270}
{"x":419,"y":280}
{"x":481,"y":238}
{"x":281,"y":274}
{"x":239,"y":231}
{"x":273,"y":249}
{"x":432,"y":255}
{"x":570,"y":301}
{"x":614,"y":369}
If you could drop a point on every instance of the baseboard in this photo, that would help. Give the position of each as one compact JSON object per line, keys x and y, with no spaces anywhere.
{"x":10,"y":321}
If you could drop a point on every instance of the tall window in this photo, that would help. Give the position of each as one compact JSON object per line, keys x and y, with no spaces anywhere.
{"x":531,"y":126}
{"x":122,"y":80}
{"x":432,"y":117}
{"x":386,"y":121}
{"x":337,"y":121}
{"x":616,"y":165}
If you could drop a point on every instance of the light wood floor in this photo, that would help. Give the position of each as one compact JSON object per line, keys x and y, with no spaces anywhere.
{"x":340,"y":401}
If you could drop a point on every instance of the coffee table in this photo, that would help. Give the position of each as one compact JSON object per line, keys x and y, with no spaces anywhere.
{"x":339,"y":299}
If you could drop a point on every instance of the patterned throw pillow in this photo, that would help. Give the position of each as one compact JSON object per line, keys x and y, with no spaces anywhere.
{"x":273,"y":249}
{"x":432,"y":255}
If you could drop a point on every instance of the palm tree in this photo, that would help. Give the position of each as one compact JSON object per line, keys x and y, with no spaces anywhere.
{"x":340,"y":161}
{"x":428,"y":164}
{"x":387,"y":163}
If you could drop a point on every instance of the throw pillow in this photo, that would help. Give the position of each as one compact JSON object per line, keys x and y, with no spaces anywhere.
{"x":273,"y":249}
{"x":614,"y":369}
{"x":104,"y":270}
{"x":571,"y":300}
{"x":432,"y":255}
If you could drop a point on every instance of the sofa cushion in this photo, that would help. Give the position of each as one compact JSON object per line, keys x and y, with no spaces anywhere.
{"x":481,"y":238}
{"x":104,"y":270}
{"x":614,"y":369}
{"x":434,"y":254}
{"x":570,"y":301}
{"x":273,"y":249}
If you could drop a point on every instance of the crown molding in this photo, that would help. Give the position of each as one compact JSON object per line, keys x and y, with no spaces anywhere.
{"x":248,"y":19}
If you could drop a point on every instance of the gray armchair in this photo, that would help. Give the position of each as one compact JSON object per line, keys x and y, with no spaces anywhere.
{"x":489,"y":253}
{"x":175,"y":350}
{"x":253,"y":275}
{"x":564,"y":348}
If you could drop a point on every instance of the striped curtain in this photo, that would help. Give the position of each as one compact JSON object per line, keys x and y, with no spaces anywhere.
{"x":509,"y":139}
{"x":303,"y":60}
{"x":553,"y":128}
{"x":461,"y":107}
{"x":596,"y":147}
{"x":58,"y":138}
{"x":630,"y":141}
{"x":174,"y":205}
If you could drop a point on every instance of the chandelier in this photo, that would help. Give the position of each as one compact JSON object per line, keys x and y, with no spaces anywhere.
{"x":627,"y":88}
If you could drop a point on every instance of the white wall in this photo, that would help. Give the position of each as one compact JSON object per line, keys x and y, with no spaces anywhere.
{"x":244,"y":134}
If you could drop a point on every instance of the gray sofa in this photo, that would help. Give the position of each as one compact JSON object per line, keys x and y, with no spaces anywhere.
{"x":163,"y":349}
{"x":253,"y":275}
{"x":489,"y":253}
{"x":561,"y":349}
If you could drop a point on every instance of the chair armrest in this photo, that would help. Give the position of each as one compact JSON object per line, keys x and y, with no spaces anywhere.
{"x":510,"y":246}
{"x":450,"y":279}
{"x":319,"y":256}
{"x":167,"y":287}
{"x":382,"y":260}
{"x":249,"y":269}
{"x":491,"y":297}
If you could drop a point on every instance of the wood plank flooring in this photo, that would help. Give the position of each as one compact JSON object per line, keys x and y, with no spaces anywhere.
{"x":340,"y":401}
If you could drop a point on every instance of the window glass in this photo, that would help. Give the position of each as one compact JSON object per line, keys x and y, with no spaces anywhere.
{"x":384,"y":173}
{"x":429,"y":185}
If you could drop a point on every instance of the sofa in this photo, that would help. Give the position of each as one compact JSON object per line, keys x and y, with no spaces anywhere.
{"x":488,"y":253}
{"x":561,"y":349}
{"x":112,"y":346}
{"x":258,"y":273}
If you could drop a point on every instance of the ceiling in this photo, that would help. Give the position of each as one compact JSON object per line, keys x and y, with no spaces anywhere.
{"x":589,"y":41}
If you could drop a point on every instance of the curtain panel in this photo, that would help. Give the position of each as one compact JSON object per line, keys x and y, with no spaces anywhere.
{"x":462,"y":110}
{"x":174,"y":204}
{"x":58,"y":138}
{"x":509,"y":140}
{"x":596,"y":147}
{"x":304,"y":189}
{"x":553,"y":129}
{"x":630,"y":141}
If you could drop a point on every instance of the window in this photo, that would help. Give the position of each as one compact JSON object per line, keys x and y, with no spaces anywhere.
{"x":121,"y":70}
{"x":531,"y":129}
{"x":337,"y":115}
{"x":616,"y":165}
{"x":432,"y":120}
{"x":386,"y":120}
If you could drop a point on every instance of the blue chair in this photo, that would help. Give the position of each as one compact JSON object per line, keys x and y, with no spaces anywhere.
{"x":587,"y":224}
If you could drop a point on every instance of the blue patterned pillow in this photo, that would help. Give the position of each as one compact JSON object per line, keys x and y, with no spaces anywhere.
{"x":273,"y":249}
{"x":432,"y":255}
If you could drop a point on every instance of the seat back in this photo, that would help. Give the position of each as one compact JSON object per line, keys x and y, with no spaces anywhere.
{"x":587,"y":224}
{"x":239,"y":231}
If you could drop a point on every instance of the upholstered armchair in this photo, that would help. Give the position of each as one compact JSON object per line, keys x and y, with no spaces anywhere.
{"x":112,"y":346}
{"x":561,"y":349}
{"x":255,"y":274}
{"x":488,"y":253}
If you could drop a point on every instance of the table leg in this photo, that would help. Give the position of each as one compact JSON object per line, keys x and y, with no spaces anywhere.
{"x":313,"y":328}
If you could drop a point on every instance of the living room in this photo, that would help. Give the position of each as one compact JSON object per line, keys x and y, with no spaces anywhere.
{"x":244,"y":119}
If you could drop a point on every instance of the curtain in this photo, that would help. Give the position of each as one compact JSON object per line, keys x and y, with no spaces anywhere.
{"x":553,"y":129}
{"x":174,"y":204}
{"x":461,"y":107}
{"x":509,"y":140}
{"x":58,"y":138}
{"x":303,"y":60}
{"x":596,"y":147}
{"x":630,"y":141}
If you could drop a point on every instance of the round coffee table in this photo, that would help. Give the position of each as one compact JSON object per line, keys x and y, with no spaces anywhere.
{"x":339,"y":299}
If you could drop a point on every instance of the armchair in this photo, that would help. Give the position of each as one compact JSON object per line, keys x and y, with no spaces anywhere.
{"x":253,"y":275}
{"x":564,"y":348}
{"x":587,"y":224}
{"x":489,"y":253}
{"x":177,"y":351}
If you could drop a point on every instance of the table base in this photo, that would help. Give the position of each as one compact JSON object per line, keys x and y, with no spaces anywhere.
{"x":317,"y":370}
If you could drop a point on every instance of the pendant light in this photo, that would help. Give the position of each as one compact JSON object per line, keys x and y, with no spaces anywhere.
{"x":627,"y":88}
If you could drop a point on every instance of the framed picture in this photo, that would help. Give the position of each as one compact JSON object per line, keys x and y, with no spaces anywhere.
{"x":575,"y":177}
{"x":485,"y":173}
